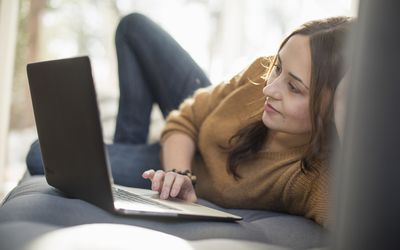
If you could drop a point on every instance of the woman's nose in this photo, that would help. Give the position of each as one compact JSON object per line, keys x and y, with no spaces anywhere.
{"x":272,"y":89}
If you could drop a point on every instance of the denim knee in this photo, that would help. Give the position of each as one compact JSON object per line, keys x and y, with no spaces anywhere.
{"x":131,"y":23}
{"x":34,"y":161}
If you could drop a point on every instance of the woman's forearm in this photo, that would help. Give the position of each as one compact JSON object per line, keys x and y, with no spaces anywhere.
{"x":177,"y":152}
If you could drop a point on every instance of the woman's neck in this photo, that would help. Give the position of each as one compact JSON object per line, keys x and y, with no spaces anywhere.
{"x":281,"y":142}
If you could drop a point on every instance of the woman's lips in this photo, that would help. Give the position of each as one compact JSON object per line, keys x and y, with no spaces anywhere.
{"x":270,"y":109}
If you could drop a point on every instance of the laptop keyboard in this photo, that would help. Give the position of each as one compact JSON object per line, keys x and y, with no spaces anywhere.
{"x":131,"y":197}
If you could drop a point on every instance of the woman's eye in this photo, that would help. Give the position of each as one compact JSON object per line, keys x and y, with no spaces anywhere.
{"x":293,"y":88}
{"x":277,"y":68}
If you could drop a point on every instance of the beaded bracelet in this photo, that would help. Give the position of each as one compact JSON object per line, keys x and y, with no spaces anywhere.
{"x":188,"y":173}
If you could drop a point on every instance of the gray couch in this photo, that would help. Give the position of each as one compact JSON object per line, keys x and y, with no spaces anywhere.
{"x":35,"y":211}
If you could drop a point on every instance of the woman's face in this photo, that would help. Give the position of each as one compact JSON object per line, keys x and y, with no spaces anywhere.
{"x":287,"y":90}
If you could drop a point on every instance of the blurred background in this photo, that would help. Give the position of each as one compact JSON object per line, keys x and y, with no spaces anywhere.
{"x":223,"y":36}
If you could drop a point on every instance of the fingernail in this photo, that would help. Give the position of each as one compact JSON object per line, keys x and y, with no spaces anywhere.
{"x":173,"y":192}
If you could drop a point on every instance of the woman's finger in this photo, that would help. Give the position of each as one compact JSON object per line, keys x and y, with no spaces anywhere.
{"x":149,"y":174}
{"x":169,"y":179}
{"x":157,"y":180}
{"x":187,"y":192}
{"x":177,"y":186}
{"x":191,"y":197}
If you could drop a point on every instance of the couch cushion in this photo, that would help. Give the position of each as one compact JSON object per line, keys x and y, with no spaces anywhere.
{"x":34,"y":201}
{"x":18,"y":234}
{"x":110,"y":236}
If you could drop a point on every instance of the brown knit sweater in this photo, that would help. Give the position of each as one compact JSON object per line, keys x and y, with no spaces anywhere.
{"x":272,"y":180}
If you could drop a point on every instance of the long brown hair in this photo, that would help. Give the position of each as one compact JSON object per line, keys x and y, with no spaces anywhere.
{"x":327,"y":40}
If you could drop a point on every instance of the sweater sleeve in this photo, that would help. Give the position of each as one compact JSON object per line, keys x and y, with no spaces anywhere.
{"x":317,"y":205}
{"x":308,"y":195}
{"x":194,"y":110}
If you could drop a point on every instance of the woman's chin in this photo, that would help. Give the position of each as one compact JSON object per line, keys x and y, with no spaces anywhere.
{"x":270,"y":122}
{"x":266,"y":120}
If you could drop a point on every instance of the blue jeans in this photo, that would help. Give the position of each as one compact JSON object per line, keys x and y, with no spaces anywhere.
{"x":153,"y":68}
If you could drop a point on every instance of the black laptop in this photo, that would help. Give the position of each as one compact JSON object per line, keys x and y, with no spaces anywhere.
{"x":70,"y":135}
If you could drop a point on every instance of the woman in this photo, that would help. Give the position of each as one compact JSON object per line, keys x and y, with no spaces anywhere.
{"x":276,"y":160}
{"x":261,"y":140}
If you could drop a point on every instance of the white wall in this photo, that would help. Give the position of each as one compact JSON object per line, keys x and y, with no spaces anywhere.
{"x":8,"y":34}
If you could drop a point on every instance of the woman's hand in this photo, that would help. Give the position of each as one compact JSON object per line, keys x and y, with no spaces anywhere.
{"x":170,"y":184}
{"x":340,"y":105}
